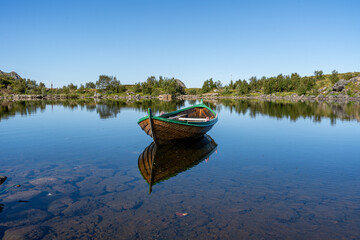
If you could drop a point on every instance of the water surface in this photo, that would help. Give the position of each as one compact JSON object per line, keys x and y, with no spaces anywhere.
{"x":276,"y":170}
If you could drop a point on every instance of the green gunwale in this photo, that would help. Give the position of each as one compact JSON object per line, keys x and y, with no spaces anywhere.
{"x":195,"y":124}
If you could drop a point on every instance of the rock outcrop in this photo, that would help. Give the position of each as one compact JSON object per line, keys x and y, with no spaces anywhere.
{"x":13,"y":75}
{"x":180,"y":83}
{"x":340,"y":85}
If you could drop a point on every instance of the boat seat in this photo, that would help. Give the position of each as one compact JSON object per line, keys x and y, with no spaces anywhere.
{"x":194,"y":119}
{"x":178,"y":116}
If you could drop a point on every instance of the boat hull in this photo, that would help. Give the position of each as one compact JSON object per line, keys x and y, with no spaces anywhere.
{"x":188,"y":123}
{"x":166,"y":132}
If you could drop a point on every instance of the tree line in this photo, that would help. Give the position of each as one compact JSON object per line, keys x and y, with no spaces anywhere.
{"x":22,"y":85}
{"x":163,"y":85}
{"x":105,"y":85}
{"x":277,"y":84}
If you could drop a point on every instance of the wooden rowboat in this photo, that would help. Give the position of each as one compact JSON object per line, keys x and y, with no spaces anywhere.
{"x":159,"y":163}
{"x":186,"y":123}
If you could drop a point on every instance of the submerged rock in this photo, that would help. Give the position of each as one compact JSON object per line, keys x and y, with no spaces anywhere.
{"x":2,"y":179}
{"x":24,"y":195}
{"x":43,"y":181}
{"x":26,"y":217}
{"x":27,"y":232}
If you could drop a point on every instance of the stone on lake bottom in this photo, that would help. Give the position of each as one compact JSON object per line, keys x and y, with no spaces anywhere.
{"x":23,"y":195}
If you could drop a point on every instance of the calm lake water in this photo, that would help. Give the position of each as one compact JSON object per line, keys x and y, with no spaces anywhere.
{"x":267,"y":170}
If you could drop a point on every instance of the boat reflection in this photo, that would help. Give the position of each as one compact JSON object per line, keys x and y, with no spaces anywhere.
{"x":159,"y":163}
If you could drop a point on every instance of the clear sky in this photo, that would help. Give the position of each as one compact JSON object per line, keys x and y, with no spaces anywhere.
{"x":76,"y":41}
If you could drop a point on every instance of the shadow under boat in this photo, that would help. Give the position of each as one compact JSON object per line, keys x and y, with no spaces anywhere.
{"x":159,"y":163}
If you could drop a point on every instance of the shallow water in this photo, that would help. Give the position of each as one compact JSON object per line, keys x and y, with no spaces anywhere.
{"x":276,"y":170}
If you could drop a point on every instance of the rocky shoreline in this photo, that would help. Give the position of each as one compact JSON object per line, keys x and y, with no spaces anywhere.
{"x":294,"y":97}
{"x":166,"y":97}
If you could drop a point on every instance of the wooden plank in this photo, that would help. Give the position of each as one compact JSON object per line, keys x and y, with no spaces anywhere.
{"x":193,"y":119}
{"x":177,"y":116}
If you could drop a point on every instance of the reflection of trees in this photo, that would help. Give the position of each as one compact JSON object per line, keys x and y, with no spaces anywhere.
{"x":9,"y":109}
{"x":295,"y":110}
{"x":105,"y":108}
{"x":277,"y":109}
{"x":156,"y":105}
{"x":110,"y":108}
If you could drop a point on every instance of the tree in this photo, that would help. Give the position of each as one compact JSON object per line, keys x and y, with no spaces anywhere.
{"x":5,"y":81}
{"x":72,"y":87}
{"x":319,"y":74}
{"x":334,"y":77}
{"x":109,"y":84}
{"x":226,"y":90}
{"x":146,"y":88}
{"x":232,"y":85}
{"x":211,"y":84}
{"x":218,"y":84}
{"x":137,"y":88}
{"x":206,"y":87}
{"x":302,"y":89}
{"x":103,"y":82}
{"x":294,"y":81}
{"x":90,"y":85}
{"x":267,"y":86}
{"x":253,"y":83}
{"x":81,"y":89}
{"x":19,"y":86}
{"x":152,"y":81}
{"x":243,"y":88}
{"x":65,"y":90}
{"x":43,"y":91}
{"x":192,"y":92}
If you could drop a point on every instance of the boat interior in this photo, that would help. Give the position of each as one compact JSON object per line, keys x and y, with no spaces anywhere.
{"x":193,"y":115}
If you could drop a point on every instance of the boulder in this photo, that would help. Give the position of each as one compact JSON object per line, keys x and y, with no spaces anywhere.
{"x":340,"y":85}
{"x":2,"y":179}
{"x":97,"y":95}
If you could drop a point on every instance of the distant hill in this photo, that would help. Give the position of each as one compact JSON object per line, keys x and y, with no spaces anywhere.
{"x":180,"y":83}
{"x":13,"y":75}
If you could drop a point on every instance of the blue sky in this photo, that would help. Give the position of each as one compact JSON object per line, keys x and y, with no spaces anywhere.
{"x":76,"y":41}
